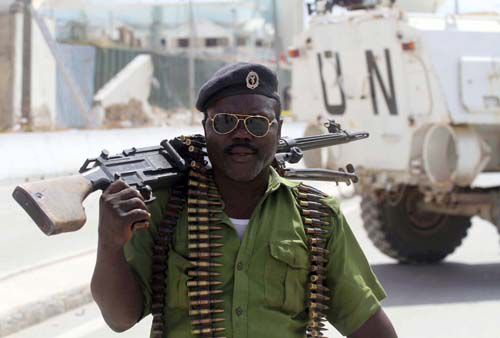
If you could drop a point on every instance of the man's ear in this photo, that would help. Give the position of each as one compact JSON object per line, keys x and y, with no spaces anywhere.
{"x":280,"y":123}
{"x":204,"y":122}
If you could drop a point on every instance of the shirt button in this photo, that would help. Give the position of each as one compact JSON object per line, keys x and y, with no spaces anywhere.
{"x":239,"y":266}
{"x":239,"y":311}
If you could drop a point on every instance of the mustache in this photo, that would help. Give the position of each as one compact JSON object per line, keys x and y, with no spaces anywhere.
{"x":231,"y":147}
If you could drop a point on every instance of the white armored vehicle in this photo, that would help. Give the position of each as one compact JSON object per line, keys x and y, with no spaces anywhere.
{"x":427,"y":89}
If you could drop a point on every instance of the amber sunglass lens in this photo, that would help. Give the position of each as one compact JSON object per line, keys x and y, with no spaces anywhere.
{"x":257,"y":125}
{"x":224,"y":123}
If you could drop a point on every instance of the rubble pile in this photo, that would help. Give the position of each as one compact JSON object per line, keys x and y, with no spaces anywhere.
{"x":127,"y":115}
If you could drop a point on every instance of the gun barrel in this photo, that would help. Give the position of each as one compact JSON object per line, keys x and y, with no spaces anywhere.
{"x":325,"y":175}
{"x":320,"y":141}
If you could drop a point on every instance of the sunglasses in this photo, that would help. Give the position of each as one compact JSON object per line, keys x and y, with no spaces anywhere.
{"x":255,"y":125}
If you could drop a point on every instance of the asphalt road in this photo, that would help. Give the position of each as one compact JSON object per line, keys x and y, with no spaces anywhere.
{"x":23,"y":245}
{"x":456,"y":299}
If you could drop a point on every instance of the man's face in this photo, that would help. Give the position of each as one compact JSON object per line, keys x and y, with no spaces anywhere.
{"x":239,"y":155}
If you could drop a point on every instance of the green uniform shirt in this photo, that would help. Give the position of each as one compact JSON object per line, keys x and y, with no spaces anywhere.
{"x":265,"y":275}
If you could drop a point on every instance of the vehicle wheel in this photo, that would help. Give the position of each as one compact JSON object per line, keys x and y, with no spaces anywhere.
{"x":400,"y":230}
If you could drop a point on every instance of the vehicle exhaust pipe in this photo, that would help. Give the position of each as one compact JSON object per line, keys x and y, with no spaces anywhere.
{"x":454,"y":155}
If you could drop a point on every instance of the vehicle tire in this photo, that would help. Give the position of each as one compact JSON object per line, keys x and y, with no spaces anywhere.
{"x":402,"y":232}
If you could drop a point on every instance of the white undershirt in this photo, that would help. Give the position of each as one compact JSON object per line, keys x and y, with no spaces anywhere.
{"x":240,"y":225}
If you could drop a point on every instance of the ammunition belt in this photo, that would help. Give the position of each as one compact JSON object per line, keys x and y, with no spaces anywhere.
{"x":205,"y":240}
{"x":205,"y":296}
{"x":316,"y":220}
{"x":162,"y":241}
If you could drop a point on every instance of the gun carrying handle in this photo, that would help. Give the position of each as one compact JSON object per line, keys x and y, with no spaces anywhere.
{"x":55,"y":204}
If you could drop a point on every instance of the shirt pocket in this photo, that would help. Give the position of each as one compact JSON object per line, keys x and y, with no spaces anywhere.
{"x":177,"y":291}
{"x":285,"y":276}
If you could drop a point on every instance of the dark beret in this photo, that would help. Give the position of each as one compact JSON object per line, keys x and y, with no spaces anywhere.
{"x":235,"y":79}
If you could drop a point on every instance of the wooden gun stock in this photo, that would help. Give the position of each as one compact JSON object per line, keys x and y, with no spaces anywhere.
{"x":55,"y":204}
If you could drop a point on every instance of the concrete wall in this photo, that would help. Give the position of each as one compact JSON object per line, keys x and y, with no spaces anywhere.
{"x":133,"y":82}
{"x":290,"y":20}
{"x":7,"y":78}
{"x":43,"y":81}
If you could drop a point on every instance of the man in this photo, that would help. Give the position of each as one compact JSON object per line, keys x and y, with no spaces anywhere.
{"x":258,"y":279}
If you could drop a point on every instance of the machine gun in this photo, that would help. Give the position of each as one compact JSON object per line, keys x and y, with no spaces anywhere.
{"x":55,"y":205}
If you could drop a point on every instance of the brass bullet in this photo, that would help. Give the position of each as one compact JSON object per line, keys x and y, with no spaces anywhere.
{"x":318,"y":296}
{"x":204,"y":312}
{"x":310,"y":196}
{"x":203,"y":228}
{"x":194,"y":219}
{"x":203,"y":273}
{"x":196,"y":184}
{"x":319,"y":259}
{"x":204,"y":186}
{"x":316,"y":314}
{"x":203,"y":302}
{"x":317,"y":249}
{"x":205,"y":202}
{"x":316,"y":241}
{"x":204,"y":237}
{"x":316,"y":278}
{"x":201,"y":283}
{"x":202,"y":211}
{"x":199,"y":193}
{"x":317,"y":288}
{"x":208,"y":330}
{"x":314,"y":213}
{"x":199,"y":176}
{"x":202,"y":293}
{"x":315,"y":333}
{"x":317,"y":268}
{"x":316,"y":231}
{"x":195,"y":165}
{"x":205,"y":254}
{"x":204,"y":245}
{"x":313,"y":205}
{"x":193,"y":149}
{"x":205,"y":264}
{"x":309,"y":189}
{"x":319,"y":306}
{"x":315,"y":221}
{"x":315,"y":325}
{"x":206,"y":321}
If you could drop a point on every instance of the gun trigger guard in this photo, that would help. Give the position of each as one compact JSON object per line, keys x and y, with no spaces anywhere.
{"x":150,"y":200}
{"x":86,"y":164}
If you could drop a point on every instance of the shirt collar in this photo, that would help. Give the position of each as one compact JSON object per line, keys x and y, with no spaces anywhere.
{"x":275,"y":181}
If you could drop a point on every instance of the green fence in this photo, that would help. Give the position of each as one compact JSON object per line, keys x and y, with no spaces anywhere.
{"x":170,"y":89}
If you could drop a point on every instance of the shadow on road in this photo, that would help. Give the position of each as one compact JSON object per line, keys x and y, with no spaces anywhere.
{"x":439,"y":284}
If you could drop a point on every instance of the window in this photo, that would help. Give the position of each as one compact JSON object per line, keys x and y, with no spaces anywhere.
{"x":183,"y":43}
{"x":211,"y":42}
{"x":241,"y":41}
{"x":216,"y":42}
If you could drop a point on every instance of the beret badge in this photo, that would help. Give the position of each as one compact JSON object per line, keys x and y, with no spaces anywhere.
{"x":252,"y":80}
